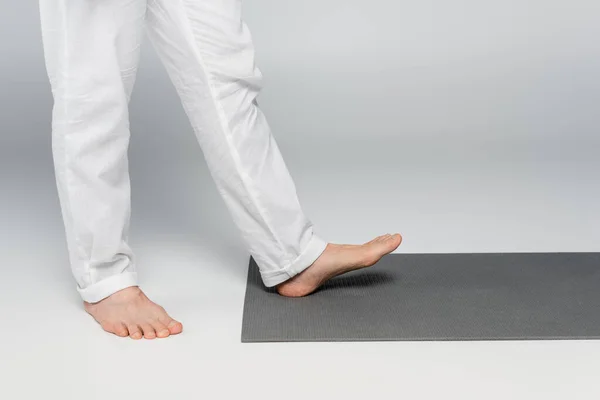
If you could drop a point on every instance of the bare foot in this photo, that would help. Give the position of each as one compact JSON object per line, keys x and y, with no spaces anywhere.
{"x":129,"y":312}
{"x":338,"y":259}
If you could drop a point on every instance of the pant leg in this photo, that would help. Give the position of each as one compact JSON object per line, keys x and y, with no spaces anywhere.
{"x":208,"y":53}
{"x":91,"y":51}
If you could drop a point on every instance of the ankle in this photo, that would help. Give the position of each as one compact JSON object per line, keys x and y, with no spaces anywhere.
{"x":124,"y":295}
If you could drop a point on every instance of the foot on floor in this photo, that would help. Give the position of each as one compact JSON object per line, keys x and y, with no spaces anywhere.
{"x":338,"y":259}
{"x":129,"y":312}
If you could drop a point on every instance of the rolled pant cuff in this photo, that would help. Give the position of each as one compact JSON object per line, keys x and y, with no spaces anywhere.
{"x":316,"y":246}
{"x":104,"y":288}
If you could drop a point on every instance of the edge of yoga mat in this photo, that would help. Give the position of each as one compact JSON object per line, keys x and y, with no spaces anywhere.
{"x":257,"y":293}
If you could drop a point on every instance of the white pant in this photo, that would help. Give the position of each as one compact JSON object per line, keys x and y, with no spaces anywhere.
{"x":92,"y":50}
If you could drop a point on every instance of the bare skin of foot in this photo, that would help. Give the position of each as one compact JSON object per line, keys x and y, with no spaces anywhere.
{"x":338,"y":259}
{"x":129,"y":312}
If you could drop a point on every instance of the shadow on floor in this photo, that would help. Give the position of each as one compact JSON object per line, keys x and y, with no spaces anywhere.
{"x":355,"y":280}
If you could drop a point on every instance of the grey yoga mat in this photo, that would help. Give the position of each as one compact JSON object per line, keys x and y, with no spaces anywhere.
{"x":479,"y":296}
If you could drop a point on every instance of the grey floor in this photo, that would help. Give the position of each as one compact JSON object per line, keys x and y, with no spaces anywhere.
{"x":193,"y":262}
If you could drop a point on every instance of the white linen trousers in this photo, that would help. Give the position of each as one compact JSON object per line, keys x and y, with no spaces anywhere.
{"x":91,"y":50}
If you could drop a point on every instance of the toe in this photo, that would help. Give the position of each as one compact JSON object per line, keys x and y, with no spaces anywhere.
{"x":393,"y":242}
{"x":149,"y":332}
{"x":161,"y":329}
{"x":107,"y":326}
{"x":174,"y":327}
{"x":376,"y":240}
{"x":117,"y":328}
{"x":121,"y":330}
{"x":134,"y":331}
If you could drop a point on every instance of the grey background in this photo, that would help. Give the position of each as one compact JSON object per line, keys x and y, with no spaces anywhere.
{"x":467,"y":126}
{"x":372,"y":94}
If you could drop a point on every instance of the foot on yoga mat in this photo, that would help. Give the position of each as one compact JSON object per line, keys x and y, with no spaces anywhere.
{"x":472,"y":296}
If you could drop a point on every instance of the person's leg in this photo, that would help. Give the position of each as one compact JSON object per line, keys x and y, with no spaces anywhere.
{"x":91,"y":51}
{"x":208,"y":53}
